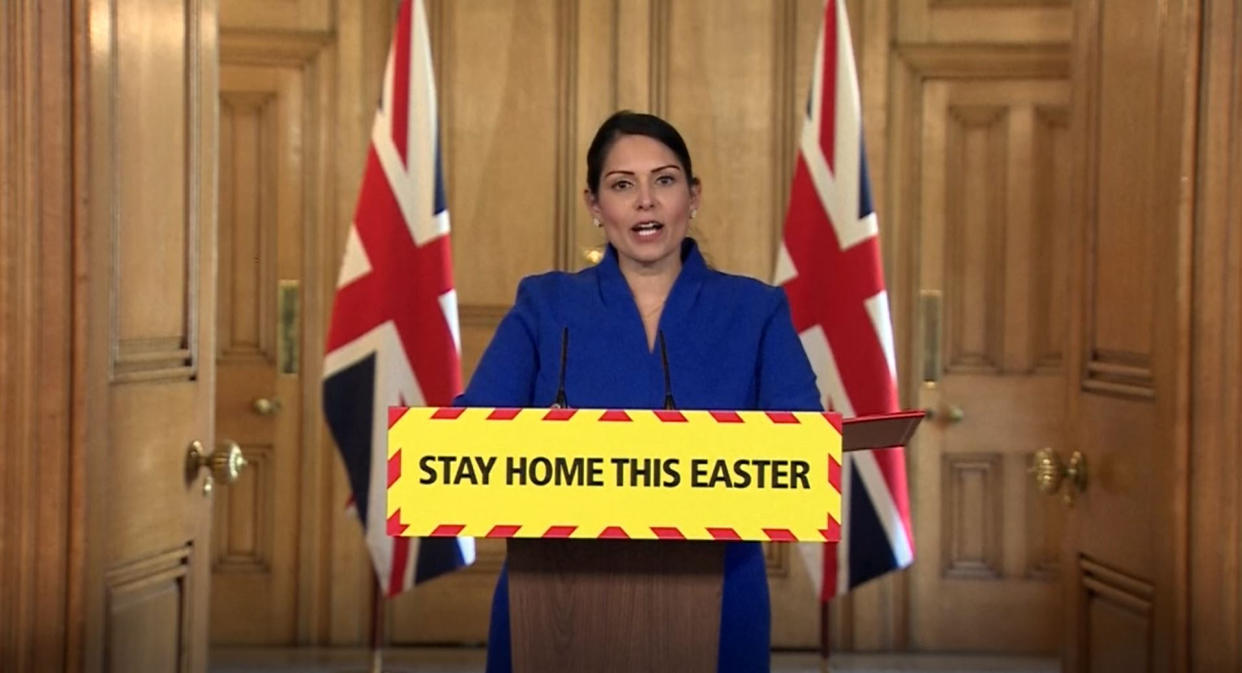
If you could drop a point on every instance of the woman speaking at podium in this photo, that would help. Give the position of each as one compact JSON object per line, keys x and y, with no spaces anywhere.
{"x":651,"y":326}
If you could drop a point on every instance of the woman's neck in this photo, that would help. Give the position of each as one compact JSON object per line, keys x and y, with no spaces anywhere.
{"x":650,"y":282}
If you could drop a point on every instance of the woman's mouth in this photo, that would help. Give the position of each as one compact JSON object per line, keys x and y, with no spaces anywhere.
{"x":647,"y":229}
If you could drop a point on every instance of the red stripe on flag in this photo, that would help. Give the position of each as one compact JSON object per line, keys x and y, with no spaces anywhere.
{"x":723,"y":534}
{"x":559,"y":414}
{"x":782,"y":417}
{"x":828,"y":97}
{"x":616,"y":415}
{"x":503,"y":414}
{"x":560,"y":531}
{"x":780,"y":535}
{"x":831,"y":552}
{"x":503,"y":531}
{"x":394,"y":467}
{"x":667,"y":533}
{"x":447,"y":530}
{"x":395,"y":414}
{"x":447,"y":414}
{"x":726,"y":416}
{"x":670,"y":416}
{"x":401,"y":82}
{"x":613,"y":533}
{"x":400,"y":559}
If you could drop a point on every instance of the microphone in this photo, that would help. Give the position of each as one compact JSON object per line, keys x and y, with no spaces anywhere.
{"x":559,"y":402}
{"x":668,"y":386}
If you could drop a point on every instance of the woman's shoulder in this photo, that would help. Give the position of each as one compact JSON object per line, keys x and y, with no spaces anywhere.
{"x":555,"y":283}
{"x":745,"y":289}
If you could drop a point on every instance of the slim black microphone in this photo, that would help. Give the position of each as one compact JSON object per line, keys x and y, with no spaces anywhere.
{"x":668,"y":386}
{"x":559,"y":402}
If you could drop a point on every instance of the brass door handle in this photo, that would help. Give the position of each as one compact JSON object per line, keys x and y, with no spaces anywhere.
{"x":952,"y":413}
{"x":225,"y":464}
{"x":1050,"y":472}
{"x":265,"y":406}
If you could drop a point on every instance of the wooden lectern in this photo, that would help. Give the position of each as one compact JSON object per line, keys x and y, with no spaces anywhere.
{"x":614,"y":605}
{"x":641,"y":605}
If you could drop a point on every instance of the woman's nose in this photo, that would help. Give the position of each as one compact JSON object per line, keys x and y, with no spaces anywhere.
{"x":645,"y":199}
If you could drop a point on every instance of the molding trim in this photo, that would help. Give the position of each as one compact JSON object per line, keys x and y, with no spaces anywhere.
{"x":272,"y":47}
{"x":987,"y":61}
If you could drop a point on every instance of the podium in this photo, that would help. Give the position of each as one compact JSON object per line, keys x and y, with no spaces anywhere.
{"x":635,"y":605}
{"x":614,"y":605}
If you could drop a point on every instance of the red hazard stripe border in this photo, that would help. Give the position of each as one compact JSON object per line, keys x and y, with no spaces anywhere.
{"x":616,"y":415}
{"x":505,"y":531}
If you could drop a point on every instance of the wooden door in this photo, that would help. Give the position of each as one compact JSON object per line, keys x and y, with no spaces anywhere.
{"x":255,"y":550}
{"x":149,"y":269}
{"x":1136,"y":69}
{"x":995,"y":228}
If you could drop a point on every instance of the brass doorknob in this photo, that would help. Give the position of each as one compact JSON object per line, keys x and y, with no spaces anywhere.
{"x":1050,"y":472}
{"x":225,"y":463}
{"x":264,"y":406}
{"x":951,"y":413}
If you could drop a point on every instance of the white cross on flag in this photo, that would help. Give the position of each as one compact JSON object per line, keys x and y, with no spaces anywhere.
{"x":830,"y":267}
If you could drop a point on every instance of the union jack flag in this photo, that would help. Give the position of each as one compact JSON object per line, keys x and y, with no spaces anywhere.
{"x":394,"y":339}
{"x":830,"y":267}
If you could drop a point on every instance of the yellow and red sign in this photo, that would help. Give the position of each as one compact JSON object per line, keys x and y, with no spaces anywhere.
{"x":594,"y":473}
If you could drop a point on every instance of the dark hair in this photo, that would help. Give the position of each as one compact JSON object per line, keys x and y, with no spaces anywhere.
{"x":628,"y":123}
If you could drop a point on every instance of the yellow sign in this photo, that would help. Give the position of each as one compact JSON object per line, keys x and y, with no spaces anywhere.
{"x":592,"y":473}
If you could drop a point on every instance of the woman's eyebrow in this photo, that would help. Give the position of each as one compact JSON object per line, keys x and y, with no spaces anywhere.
{"x":654,"y":170}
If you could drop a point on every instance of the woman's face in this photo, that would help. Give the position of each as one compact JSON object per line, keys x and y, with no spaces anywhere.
{"x":644,"y":201}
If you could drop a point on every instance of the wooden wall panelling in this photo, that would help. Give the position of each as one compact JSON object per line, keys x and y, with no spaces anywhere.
{"x":715,"y":65}
{"x":596,"y":96}
{"x":501,"y":130}
{"x":1216,"y":477}
{"x":972,"y":516}
{"x":635,"y":46}
{"x":41,"y":560}
{"x":1120,"y":344}
{"x":984,"y":21}
{"x":277,"y":15}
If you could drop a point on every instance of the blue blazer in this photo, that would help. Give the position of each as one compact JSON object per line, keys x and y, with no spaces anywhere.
{"x":730,"y":344}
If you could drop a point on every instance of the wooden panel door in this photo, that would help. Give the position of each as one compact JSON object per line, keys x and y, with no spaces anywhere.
{"x":995,"y":229}
{"x":1136,"y":68}
{"x":259,"y":394}
{"x":150,"y":317}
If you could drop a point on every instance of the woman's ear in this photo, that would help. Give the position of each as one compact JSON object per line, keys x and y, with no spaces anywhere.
{"x":696,"y":190}
{"x":591,"y":202}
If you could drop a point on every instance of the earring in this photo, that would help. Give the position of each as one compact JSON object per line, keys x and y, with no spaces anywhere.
{"x":596,"y":222}
{"x":693,"y":213}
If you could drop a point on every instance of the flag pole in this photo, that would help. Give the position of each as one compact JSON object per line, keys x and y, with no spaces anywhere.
{"x":824,"y":648}
{"x":377,"y":628}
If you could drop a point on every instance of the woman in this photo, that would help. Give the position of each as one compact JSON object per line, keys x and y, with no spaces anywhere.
{"x":728,"y":340}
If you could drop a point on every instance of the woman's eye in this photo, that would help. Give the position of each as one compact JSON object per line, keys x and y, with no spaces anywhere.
{"x":621,"y":184}
{"x":665,"y":180}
